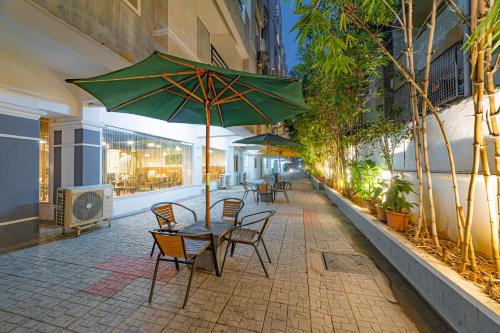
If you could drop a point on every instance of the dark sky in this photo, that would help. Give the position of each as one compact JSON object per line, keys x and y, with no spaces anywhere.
{"x":288,"y":21}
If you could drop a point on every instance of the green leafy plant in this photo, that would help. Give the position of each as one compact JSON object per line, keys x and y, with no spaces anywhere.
{"x":386,"y":134}
{"x":395,"y":197}
{"x":378,"y":192}
{"x":370,"y":180}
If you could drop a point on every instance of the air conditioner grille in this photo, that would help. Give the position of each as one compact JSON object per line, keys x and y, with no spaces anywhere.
{"x":87,"y":206}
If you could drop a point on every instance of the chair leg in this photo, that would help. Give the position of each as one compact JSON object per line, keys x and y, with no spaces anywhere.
{"x":154,"y":278}
{"x":189,"y":283}
{"x":176,"y":263}
{"x":260,"y":258}
{"x":214,"y":255}
{"x":225,"y":255}
{"x":233,"y":247}
{"x":153,"y":249}
{"x":265,"y":249}
{"x":286,"y":196}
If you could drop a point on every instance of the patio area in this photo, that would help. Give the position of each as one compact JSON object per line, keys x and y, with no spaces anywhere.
{"x":100,"y":281}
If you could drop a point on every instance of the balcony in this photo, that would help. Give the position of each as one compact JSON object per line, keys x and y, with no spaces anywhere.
{"x":216,"y":59}
{"x":446,"y":82}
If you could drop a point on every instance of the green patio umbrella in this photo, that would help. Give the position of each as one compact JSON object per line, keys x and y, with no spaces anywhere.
{"x":178,"y":90}
{"x":269,"y":140}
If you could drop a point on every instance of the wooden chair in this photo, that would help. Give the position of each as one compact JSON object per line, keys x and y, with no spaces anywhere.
{"x":280,"y":187}
{"x":241,"y":234}
{"x":181,"y":248}
{"x":231,"y":209}
{"x":265,"y":193}
{"x":249,"y":188}
{"x":164,"y":212}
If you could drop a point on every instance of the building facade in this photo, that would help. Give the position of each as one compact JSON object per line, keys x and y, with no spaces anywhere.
{"x":450,"y":91}
{"x":53,"y":134}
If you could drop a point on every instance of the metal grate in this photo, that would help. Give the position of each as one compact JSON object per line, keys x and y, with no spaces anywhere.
{"x":346,"y":263}
{"x":446,"y":82}
{"x":60,"y":203}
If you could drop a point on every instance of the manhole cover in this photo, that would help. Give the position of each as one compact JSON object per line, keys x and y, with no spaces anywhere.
{"x":346,"y":263}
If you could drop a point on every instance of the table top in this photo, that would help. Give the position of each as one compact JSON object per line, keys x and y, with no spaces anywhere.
{"x":217,"y":228}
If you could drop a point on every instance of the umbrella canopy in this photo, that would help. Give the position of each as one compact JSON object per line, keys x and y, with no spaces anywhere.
{"x":179,"y":90}
{"x":281,"y":151}
{"x":268,"y":139}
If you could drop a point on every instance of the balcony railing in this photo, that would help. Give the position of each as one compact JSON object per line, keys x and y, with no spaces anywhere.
{"x":216,"y":59}
{"x":446,"y":82}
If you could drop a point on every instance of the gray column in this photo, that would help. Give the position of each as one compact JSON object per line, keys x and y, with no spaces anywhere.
{"x":19,"y":183}
{"x":87,"y":158}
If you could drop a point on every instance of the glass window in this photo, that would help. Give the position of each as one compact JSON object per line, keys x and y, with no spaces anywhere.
{"x":44,"y":160}
{"x":217,"y":164}
{"x":134,"y":162}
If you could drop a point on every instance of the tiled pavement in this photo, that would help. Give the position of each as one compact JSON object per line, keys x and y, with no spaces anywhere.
{"x":99,"y":282}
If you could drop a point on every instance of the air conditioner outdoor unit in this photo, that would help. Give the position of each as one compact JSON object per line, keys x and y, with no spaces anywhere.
{"x":80,"y":207}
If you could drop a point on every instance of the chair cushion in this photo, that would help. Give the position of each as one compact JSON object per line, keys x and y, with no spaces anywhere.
{"x":244,"y":235}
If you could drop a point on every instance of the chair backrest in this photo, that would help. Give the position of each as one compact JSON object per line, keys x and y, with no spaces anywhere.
{"x":231,"y":207}
{"x":245,"y":186}
{"x":164,"y":213}
{"x":257,"y":218}
{"x":264,"y":188}
{"x":170,"y":244}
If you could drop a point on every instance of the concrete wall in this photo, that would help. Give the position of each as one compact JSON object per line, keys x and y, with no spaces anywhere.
{"x":111,"y":23}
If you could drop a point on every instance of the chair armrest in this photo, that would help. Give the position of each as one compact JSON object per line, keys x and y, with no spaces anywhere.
{"x":189,"y":209}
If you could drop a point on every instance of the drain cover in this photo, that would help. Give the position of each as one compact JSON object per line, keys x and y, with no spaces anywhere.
{"x":346,"y":263}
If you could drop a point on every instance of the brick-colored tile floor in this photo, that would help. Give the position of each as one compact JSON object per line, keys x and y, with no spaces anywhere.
{"x":99,"y":282}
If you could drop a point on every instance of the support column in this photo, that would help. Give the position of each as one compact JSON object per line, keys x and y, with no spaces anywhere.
{"x":76,"y":155}
{"x":19,"y":172}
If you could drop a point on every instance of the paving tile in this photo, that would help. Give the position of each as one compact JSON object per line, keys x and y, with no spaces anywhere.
{"x":244,"y":312}
{"x":184,"y":324}
{"x":100,"y":282}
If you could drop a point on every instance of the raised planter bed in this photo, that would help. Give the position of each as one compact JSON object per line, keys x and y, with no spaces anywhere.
{"x":318,"y":184}
{"x":458,"y":301}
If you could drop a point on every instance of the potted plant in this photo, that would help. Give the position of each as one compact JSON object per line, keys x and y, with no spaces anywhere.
{"x":396,"y":206}
{"x":376,"y":198}
{"x":381,"y":215}
{"x":371,"y":185}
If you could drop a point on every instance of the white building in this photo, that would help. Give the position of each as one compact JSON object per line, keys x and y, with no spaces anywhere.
{"x":53,"y":134}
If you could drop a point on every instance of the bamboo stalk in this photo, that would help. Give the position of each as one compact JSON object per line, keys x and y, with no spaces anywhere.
{"x":495,"y":133}
{"x":431,"y":26}
{"x":477,"y":60}
{"x":408,"y":22}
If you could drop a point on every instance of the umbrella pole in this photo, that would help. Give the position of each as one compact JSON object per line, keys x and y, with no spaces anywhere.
{"x":207,"y":166}
{"x":267,"y":159}
{"x":279,"y":164}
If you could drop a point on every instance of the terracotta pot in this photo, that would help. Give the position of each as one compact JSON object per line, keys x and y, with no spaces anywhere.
{"x":397,"y":221}
{"x":371,"y":207}
{"x":358,"y":201}
{"x":381,"y":214}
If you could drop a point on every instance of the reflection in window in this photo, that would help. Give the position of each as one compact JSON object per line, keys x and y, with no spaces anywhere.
{"x":217,"y":164}
{"x":44,"y":160}
{"x":134,"y":162}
